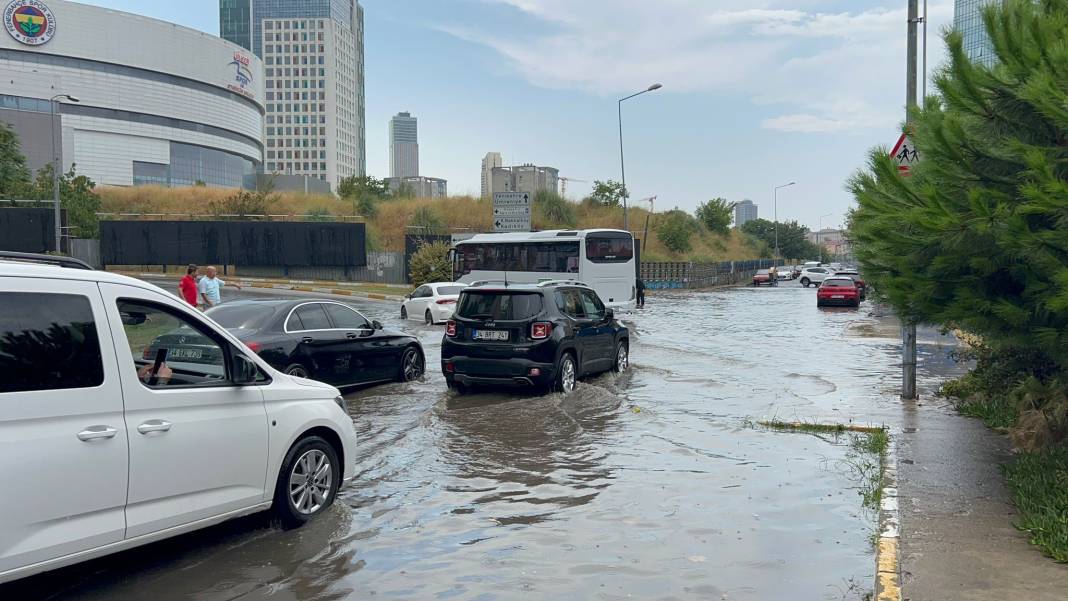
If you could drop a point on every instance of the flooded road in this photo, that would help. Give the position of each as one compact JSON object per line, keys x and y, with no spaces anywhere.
{"x":652,"y":484}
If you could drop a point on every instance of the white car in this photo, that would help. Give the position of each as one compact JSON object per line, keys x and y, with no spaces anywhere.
{"x":432,"y":303}
{"x":814,"y":275}
{"x":106,"y":445}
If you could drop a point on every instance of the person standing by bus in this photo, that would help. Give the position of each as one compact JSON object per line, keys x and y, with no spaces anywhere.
{"x":188,"y":285}
{"x":639,"y":284}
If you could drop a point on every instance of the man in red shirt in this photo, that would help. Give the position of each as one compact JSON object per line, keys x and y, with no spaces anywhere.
{"x":188,"y":285}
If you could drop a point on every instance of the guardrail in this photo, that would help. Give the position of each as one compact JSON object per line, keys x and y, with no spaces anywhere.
{"x":680,"y":275}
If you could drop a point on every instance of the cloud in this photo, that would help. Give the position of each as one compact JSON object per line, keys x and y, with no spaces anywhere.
{"x":822,"y":70}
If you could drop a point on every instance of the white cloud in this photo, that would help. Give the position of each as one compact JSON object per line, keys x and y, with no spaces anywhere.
{"x":824,"y":71}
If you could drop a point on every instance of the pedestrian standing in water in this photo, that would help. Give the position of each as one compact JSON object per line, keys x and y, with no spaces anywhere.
{"x":640,"y":285}
{"x":188,"y":285}
{"x":210,"y":288}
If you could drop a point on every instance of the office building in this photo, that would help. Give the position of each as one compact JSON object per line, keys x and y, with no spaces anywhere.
{"x":312,"y":53}
{"x":157,"y":103}
{"x":403,"y":146}
{"x":489,"y":162}
{"x":744,"y":211}
{"x":419,"y":186}
{"x":968,"y":20}
{"x":524,"y":178}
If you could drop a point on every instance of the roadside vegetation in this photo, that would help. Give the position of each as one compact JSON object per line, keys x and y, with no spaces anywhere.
{"x":977,"y":239}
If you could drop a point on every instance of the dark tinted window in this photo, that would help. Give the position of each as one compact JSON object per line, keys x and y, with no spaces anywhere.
{"x":609,"y":248}
{"x":592,"y":304}
{"x":540,"y":257}
{"x":499,"y":305}
{"x":570,"y":303}
{"x":449,"y":290}
{"x":48,"y":342}
{"x":839,"y":282}
{"x":244,"y":317}
{"x":346,"y":318}
{"x":312,"y":317}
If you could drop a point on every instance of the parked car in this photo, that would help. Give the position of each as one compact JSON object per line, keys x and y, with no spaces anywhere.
{"x":785,"y":272}
{"x":838,"y":291}
{"x":531,"y":335}
{"x":814,"y":275}
{"x":810,"y":264}
{"x":764,"y":276}
{"x":111,"y":450}
{"x":433,"y":303}
{"x":320,"y":340}
{"x":852,"y":273}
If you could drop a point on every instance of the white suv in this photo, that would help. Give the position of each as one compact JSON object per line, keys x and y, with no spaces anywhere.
{"x":106,"y":445}
{"x":814,"y":275}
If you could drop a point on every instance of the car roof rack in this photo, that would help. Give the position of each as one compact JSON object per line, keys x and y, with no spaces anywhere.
{"x":563,"y":283}
{"x":58,"y":260}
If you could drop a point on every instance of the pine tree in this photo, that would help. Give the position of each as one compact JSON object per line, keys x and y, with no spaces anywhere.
{"x":978,"y":236}
{"x":14,"y":174}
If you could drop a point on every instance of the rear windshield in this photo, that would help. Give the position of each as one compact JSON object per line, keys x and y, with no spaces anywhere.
{"x":241,"y":317}
{"x":449,"y":290}
{"x":839,"y":282}
{"x":502,"y":306}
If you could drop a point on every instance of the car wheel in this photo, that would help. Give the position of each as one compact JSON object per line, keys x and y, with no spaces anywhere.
{"x":428,"y":318}
{"x":298,"y":371}
{"x":308,"y":481}
{"x":404,"y":312}
{"x":412,"y":365}
{"x":622,"y":357}
{"x":805,"y":282}
{"x":566,"y":374}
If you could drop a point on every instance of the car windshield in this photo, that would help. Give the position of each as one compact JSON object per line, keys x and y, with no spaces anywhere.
{"x":241,"y":317}
{"x":762,"y":272}
{"x":834,"y":282}
{"x":499,"y":305}
{"x":449,"y":290}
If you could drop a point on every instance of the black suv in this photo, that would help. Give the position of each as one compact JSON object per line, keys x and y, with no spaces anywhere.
{"x":531,"y":335}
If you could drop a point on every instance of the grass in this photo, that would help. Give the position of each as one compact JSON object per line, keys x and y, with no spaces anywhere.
{"x":1039,"y":485}
{"x":387,"y":229}
{"x":998,"y":413}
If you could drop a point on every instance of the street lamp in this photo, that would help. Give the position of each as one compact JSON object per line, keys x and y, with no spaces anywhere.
{"x":775,"y":194}
{"x":622,"y":170}
{"x":819,"y":241}
{"x":55,"y":166}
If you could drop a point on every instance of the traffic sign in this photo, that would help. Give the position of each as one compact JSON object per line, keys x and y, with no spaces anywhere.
{"x":905,"y":155}
{"x":511,"y":212}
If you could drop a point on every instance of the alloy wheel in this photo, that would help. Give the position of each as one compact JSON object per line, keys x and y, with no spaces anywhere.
{"x":310,"y":482}
{"x":622,"y":358}
{"x":413,"y":365}
{"x":567,"y":375}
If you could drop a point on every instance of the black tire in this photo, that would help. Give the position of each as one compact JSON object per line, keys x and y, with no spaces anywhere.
{"x":622,"y":363}
{"x":428,"y":318}
{"x":304,"y":455}
{"x":412,"y":365}
{"x":805,"y":282}
{"x":404,"y":312}
{"x":566,"y":379}
{"x":298,"y":370}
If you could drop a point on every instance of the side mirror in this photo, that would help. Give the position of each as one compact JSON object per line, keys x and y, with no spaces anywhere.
{"x":408,"y":296}
{"x":376,"y":324}
{"x":133,"y":319}
{"x":245,"y":371}
{"x":609,"y":315}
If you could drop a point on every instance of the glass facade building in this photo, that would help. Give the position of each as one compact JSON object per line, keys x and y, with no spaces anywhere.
{"x":236,"y":17}
{"x":195,"y":165}
{"x":968,"y":20}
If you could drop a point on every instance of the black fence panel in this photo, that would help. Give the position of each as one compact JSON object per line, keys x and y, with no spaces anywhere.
{"x":233,"y":243}
{"x":28,"y":230}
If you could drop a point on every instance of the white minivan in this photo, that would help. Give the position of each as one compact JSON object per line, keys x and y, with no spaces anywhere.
{"x":106,"y":444}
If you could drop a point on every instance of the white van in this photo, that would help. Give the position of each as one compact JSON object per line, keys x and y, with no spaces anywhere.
{"x":105,"y":445}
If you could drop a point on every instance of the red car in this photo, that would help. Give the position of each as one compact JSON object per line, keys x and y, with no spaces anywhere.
{"x":852,"y":273}
{"x":838,"y":291}
{"x":765,"y":276}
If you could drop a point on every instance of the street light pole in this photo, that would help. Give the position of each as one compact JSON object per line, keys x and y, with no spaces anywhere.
{"x":908,"y":326}
{"x":55,"y":169}
{"x":622,"y":169}
{"x":775,"y":195}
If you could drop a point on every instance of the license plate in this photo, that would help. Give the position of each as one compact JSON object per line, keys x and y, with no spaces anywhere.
{"x":837,"y":296}
{"x":185,"y":353}
{"x":490,"y":335}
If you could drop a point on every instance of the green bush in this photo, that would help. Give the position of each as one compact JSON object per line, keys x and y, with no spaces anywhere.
{"x":556,"y":209}
{"x":430,"y":263}
{"x":425,"y":220}
{"x":675,"y":229}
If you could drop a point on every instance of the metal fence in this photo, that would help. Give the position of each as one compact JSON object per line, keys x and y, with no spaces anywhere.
{"x":86,"y":249}
{"x":685,"y":275}
{"x":381,"y":268}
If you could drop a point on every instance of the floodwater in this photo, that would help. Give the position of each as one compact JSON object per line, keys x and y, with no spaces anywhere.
{"x":652,"y":484}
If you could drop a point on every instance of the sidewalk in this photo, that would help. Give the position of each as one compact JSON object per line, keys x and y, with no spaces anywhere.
{"x":370,"y":291}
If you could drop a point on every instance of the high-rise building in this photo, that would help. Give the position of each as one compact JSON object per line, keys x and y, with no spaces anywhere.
{"x":403,"y":146}
{"x":419,"y":186}
{"x":744,"y":211}
{"x":524,"y":178}
{"x":489,"y":162}
{"x":312,"y":53}
{"x":968,"y":20}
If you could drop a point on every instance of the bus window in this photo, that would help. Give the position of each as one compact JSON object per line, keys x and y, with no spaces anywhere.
{"x":609,"y":248}
{"x":540,"y":257}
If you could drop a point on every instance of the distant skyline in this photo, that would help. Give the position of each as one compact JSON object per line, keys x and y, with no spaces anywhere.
{"x":756,"y":92}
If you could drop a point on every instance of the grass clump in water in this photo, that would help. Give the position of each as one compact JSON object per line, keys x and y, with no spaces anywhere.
{"x":1039,"y":485}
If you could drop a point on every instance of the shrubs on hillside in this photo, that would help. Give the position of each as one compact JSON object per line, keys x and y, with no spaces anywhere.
{"x":430,"y":263}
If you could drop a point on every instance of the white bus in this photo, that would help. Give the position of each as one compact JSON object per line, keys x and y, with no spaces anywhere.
{"x":601,"y":259}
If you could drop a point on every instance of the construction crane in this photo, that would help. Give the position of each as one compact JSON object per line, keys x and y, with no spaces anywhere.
{"x":563,"y":184}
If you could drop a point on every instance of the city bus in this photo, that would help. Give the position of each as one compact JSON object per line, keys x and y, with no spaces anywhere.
{"x":602,"y":259}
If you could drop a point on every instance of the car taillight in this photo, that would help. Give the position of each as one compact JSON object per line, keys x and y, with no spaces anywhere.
{"x":450,"y":328}
{"x":541,"y":330}
{"x":254,"y":347}
{"x":447,"y":301}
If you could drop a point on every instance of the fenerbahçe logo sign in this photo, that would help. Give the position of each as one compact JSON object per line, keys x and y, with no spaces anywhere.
{"x":29,"y":21}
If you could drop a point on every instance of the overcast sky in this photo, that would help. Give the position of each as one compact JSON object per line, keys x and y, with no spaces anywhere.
{"x":756,"y":93}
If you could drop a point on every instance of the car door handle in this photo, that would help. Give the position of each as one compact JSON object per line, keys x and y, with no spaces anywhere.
{"x":306,"y":340}
{"x":352,"y":335}
{"x":154,"y":425}
{"x":97,"y":432}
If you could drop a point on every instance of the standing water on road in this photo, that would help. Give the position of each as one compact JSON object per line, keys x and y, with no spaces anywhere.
{"x":646,"y":485}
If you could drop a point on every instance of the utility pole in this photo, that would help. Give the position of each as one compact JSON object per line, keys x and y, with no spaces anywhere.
{"x":908,"y":326}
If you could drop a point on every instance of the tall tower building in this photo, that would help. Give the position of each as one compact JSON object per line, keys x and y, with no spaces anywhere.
{"x":312,"y":53}
{"x":968,"y":20}
{"x":744,"y":211}
{"x":489,"y":162}
{"x":403,"y":146}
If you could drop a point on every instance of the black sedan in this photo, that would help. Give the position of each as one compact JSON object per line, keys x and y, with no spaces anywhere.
{"x":322,"y":340}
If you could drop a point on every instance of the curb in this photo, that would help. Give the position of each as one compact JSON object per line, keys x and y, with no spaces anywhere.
{"x":295,"y":285}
